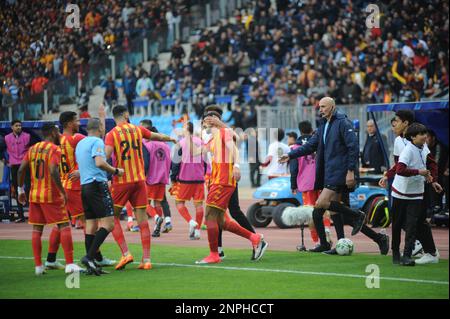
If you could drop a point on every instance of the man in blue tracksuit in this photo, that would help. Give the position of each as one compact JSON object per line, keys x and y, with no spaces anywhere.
{"x":336,"y":163}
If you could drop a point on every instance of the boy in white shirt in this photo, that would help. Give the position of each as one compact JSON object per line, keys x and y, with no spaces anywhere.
{"x":414,"y":168}
{"x":276,"y":150}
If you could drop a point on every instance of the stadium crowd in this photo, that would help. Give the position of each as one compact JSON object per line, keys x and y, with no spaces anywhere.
{"x":36,"y":47}
{"x":266,"y":55}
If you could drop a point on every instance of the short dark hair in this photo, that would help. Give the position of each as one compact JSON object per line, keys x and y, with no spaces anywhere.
{"x":393,"y":120}
{"x":292,"y":134}
{"x":148,"y":124}
{"x":280,"y":134}
{"x":48,"y":128}
{"x":305,"y":127}
{"x":154,"y":129}
{"x":66,"y":117}
{"x":119,"y":110}
{"x":93,"y":124}
{"x":415,"y":129}
{"x":405,"y":115}
{"x":214,"y":108}
{"x":15,"y":122}
{"x":190,"y":127}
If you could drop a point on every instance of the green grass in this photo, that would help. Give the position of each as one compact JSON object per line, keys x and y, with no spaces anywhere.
{"x":17,"y":279}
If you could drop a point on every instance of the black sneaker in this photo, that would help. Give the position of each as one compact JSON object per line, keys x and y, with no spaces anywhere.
{"x":383,"y":244}
{"x":407,"y":261}
{"x":330,"y":252}
{"x":358,"y":223}
{"x":90,"y":266}
{"x":320,"y":248}
{"x":396,"y":257}
{"x":157,"y":231}
{"x":222,"y":254}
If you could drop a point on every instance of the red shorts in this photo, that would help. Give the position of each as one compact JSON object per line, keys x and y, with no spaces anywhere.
{"x":74,"y":203}
{"x":47,"y":213}
{"x":310,"y":197}
{"x":219,"y":196}
{"x":186,"y":192}
{"x":156,"y":192}
{"x":135,"y":193}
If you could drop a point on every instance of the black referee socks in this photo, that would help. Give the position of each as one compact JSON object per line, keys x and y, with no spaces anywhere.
{"x":100,"y":237}
{"x":88,"y":239}
{"x":318,"y":224}
{"x":343,"y":209}
{"x":338,"y":222}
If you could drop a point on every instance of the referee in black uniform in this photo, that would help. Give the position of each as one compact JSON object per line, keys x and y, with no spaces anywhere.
{"x":97,"y":200}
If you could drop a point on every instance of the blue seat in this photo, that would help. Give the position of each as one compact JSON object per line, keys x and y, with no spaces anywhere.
{"x":224,"y":99}
{"x":166,"y":102}
{"x":140,"y":102}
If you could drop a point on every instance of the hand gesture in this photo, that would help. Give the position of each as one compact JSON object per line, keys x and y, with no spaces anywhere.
{"x":283,"y":159}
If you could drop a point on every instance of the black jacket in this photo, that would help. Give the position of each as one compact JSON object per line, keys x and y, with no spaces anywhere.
{"x":338,"y":155}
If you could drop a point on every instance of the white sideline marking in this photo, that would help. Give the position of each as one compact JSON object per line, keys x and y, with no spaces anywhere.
{"x":298,"y":272}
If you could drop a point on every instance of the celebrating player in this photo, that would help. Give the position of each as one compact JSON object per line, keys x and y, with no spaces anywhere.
{"x":125,"y":142}
{"x":223,"y":183}
{"x":47,"y":196}
{"x":70,"y":178}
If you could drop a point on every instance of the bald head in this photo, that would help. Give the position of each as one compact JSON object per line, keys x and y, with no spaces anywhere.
{"x":327,"y":107}
{"x":371,"y":129}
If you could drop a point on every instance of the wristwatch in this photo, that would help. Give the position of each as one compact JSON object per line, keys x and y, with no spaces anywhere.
{"x":116,"y":171}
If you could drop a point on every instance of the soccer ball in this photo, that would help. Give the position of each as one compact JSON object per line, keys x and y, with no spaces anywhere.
{"x":344,"y":247}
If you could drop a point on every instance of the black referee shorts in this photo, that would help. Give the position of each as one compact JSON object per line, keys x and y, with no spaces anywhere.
{"x":97,"y":200}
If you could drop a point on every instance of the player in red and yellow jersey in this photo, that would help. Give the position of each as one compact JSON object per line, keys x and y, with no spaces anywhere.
{"x":225,"y":173}
{"x":124,"y":144}
{"x":70,"y":178}
{"x":47,"y":195}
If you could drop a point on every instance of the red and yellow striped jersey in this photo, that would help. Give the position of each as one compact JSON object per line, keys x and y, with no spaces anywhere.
{"x":43,"y":188}
{"x":222,"y":158}
{"x":68,"y":160}
{"x":126,"y":139}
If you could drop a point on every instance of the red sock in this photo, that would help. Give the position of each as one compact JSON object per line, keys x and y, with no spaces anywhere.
{"x":314,"y":235}
{"x":235,"y":228}
{"x":326,"y":222}
{"x":36,"y":243}
{"x":54,"y":239}
{"x":119,"y":237}
{"x":67,"y":244}
{"x":184,"y":212}
{"x":151,"y":212}
{"x":213,"y":235}
{"x":145,"y":239}
{"x":129,"y":209}
{"x":159,"y":211}
{"x":199,"y":212}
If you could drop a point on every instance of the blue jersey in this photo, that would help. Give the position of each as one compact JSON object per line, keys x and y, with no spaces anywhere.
{"x":86,"y":151}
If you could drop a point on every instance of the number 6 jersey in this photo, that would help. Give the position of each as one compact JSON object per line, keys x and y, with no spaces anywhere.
{"x":68,"y":160}
{"x":126,"y":139}
{"x":43,"y":188}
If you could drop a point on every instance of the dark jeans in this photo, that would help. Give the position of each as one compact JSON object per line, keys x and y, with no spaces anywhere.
{"x":424,"y":234}
{"x":130,"y":104}
{"x":237,"y":214}
{"x":14,"y":182}
{"x":255,"y":175}
{"x":405,"y":214}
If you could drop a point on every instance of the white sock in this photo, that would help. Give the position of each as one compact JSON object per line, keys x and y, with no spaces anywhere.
{"x":220,"y":250}
{"x":168,"y":220}
{"x":130,"y":219}
{"x":193,"y":223}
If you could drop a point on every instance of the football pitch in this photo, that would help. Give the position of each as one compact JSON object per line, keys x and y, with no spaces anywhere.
{"x":289,"y":275}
